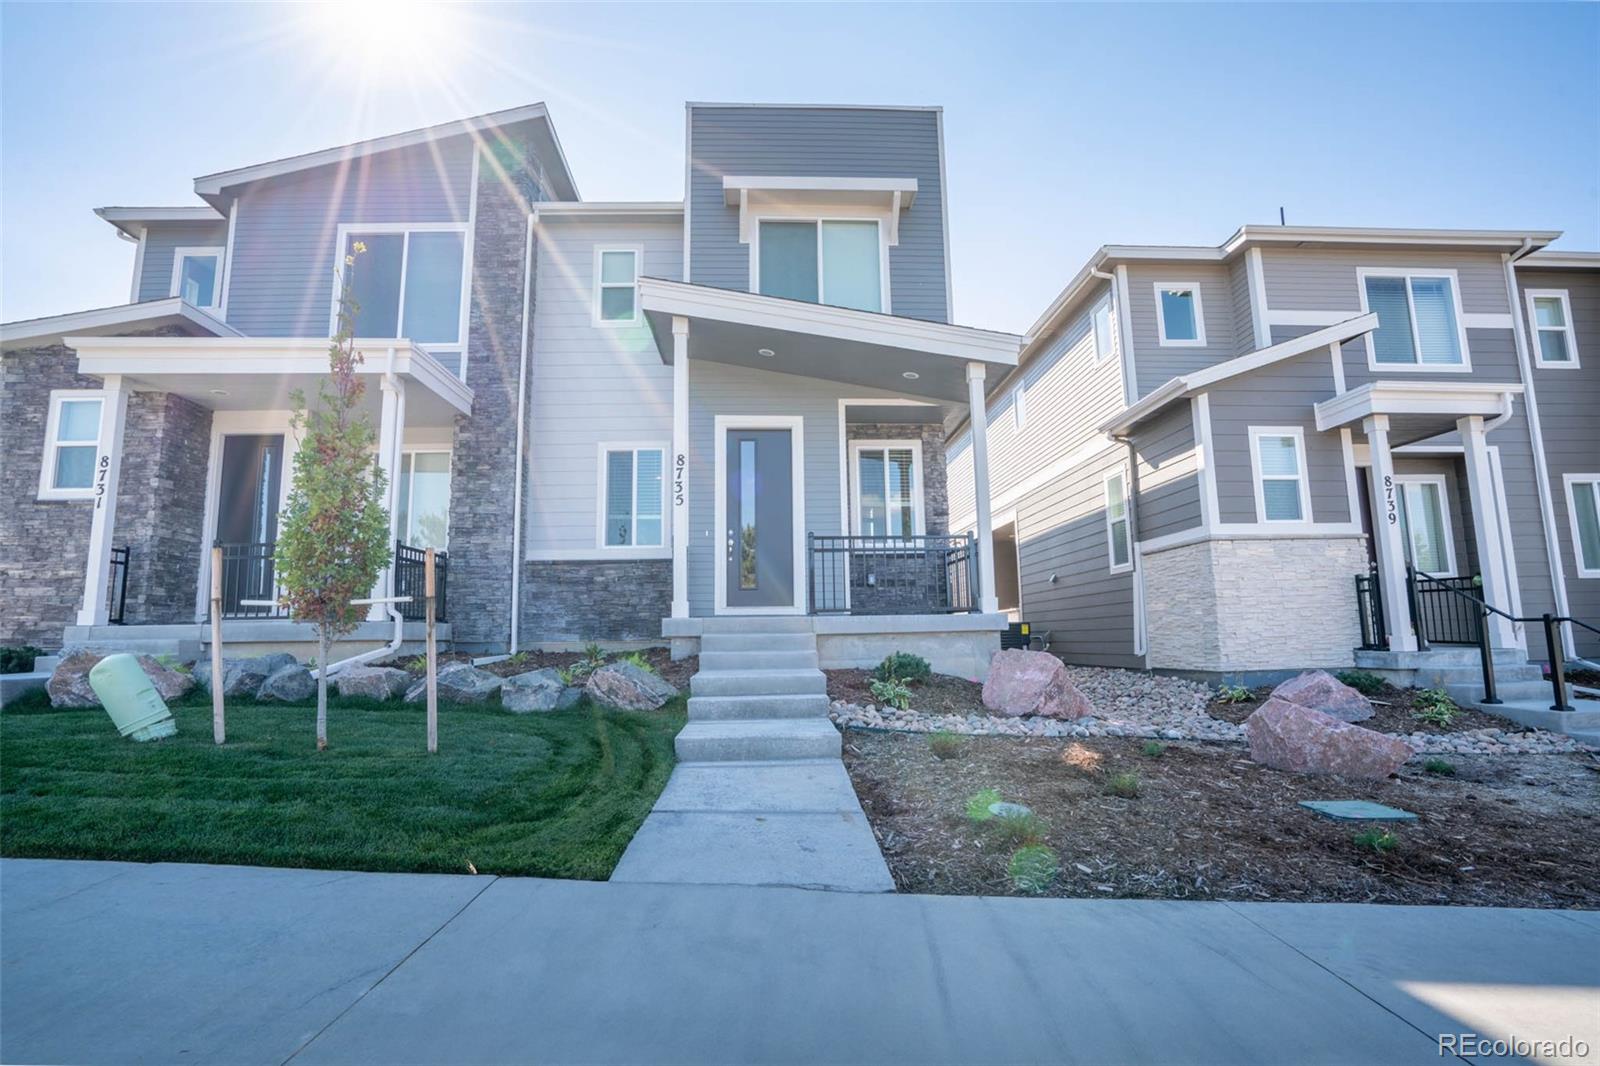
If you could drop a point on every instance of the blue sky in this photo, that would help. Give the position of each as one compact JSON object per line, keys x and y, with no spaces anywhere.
{"x":1066,"y":126}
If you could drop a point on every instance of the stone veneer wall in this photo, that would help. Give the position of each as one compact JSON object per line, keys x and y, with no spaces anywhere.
{"x":1253,"y":604}
{"x":583,"y":600}
{"x":935,"y":494}
{"x":161,"y":505}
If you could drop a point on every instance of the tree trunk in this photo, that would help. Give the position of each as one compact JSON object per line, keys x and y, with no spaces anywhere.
{"x":322,"y":690}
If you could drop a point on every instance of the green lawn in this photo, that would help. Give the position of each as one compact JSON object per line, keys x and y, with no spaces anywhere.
{"x":553,"y":795}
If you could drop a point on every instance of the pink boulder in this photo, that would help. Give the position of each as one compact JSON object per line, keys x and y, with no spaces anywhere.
{"x":1286,"y":736}
{"x":1032,"y":682}
{"x":1321,"y":691}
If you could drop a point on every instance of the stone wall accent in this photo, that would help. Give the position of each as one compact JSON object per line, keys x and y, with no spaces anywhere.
{"x":585,"y":600}
{"x":1253,"y":604}
{"x":935,"y":493}
{"x":161,"y":505}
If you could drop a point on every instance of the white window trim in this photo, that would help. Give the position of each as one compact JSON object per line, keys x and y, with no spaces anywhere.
{"x":638,"y":263}
{"x":1303,"y":475}
{"x":47,"y":466}
{"x":1120,"y":473}
{"x":1418,"y":367}
{"x":343,"y":232}
{"x":198,"y":252}
{"x":1193,"y":287}
{"x":822,"y":292}
{"x":634,"y":550}
{"x":918,"y":518}
{"x":1401,"y":481}
{"x":1111,"y":327}
{"x":1569,"y":329}
{"x":1572,"y":483}
{"x":411,"y":512}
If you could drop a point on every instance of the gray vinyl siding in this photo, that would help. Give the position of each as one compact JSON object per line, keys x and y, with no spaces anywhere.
{"x":1278,"y":395}
{"x":1569,"y":421}
{"x":1167,"y":478}
{"x":1068,"y":589}
{"x":1155,"y":364}
{"x":286,"y":229}
{"x":589,"y":384}
{"x":1324,"y":279}
{"x":819,"y":142}
{"x":161,"y":240}
{"x":1244,"y":331}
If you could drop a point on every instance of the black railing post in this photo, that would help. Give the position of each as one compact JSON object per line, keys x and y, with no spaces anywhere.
{"x":1558,"y":666}
{"x":1486,"y":656}
{"x":1414,"y":606}
{"x":811,"y":572}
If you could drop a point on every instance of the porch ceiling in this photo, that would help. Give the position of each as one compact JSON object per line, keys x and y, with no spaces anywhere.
{"x":261,"y":374}
{"x":862,"y":348}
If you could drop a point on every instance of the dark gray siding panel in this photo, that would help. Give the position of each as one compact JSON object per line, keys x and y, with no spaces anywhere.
{"x":164,"y":238}
{"x":819,"y":142}
{"x":1167,"y":481}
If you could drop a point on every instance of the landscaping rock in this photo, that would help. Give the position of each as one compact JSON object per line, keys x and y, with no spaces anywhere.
{"x":288,"y":684}
{"x":1321,"y":691}
{"x":273,"y":661}
{"x":240,"y":677}
{"x":538,"y":690}
{"x":458,"y":683}
{"x":1032,"y":682}
{"x":629,"y":687}
{"x":1287,"y":736}
{"x":69,"y":684}
{"x":1010,"y":810}
{"x":373,"y":682}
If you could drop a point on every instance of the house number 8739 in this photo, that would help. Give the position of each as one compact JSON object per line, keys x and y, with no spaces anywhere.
{"x":1390,"y":513}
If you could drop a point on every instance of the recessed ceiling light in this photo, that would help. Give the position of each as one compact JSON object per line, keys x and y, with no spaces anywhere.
{"x":219,"y":392}
{"x":766,"y":352}
{"x":911,"y":375}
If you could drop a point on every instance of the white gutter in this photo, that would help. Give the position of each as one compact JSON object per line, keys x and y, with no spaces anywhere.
{"x":516,"y":484}
{"x":381,"y":652}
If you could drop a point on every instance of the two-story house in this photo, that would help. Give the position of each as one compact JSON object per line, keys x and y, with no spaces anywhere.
{"x":619,"y":420}
{"x":1223,"y":460}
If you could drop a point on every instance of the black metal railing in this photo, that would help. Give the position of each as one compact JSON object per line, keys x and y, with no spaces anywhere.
{"x":1442,"y":610}
{"x":249,"y":581}
{"x":1369,"y":608}
{"x":410,"y":579}
{"x":117,"y":586}
{"x":891,"y":575}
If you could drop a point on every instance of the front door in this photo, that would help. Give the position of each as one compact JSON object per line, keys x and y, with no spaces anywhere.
{"x":247,"y":517}
{"x":760,"y":509}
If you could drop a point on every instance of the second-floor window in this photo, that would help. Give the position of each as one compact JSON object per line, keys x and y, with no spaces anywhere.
{"x":1102,"y":329}
{"x":197,"y":276}
{"x":828,"y":261}
{"x":616,"y":291}
{"x":1555,"y":342}
{"x":1178,"y":320}
{"x":408,"y":284}
{"x":1418,"y":323}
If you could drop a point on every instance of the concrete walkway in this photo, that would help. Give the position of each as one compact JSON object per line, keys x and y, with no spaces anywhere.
{"x":111,"y":962}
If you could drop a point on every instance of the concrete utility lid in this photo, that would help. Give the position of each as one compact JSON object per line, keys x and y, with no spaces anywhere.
{"x":1009,"y":810}
{"x":1357,"y":811}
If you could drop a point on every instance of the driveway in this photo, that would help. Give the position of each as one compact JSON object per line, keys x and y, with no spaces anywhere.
{"x":108,"y":962}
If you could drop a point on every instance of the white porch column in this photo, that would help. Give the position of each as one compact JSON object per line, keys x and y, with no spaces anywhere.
{"x":978,"y":412}
{"x":1486,"y":528}
{"x":94,"y":609}
{"x":680,"y":467}
{"x":1386,"y":531}
{"x":391,"y":437}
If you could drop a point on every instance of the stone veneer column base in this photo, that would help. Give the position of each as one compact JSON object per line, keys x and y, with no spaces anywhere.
{"x":1253,"y":604}
{"x":599,"y":600}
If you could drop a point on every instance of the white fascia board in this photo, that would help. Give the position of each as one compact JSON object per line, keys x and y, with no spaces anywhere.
{"x":1566,"y":260}
{"x":1486,"y":398}
{"x":14,"y":333}
{"x":132,"y":221}
{"x":1468,"y":238}
{"x":615,"y":211}
{"x":733,"y":185}
{"x":839,"y":323}
{"x":1187,"y":252}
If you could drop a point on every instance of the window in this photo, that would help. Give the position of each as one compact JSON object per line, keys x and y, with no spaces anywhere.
{"x":197,"y":276}
{"x":71,"y":445}
{"x":1281,"y":491}
{"x":407,"y":284}
{"x":888,"y":488}
{"x":616,"y":293}
{"x":1425,"y":524}
{"x":829,"y":261}
{"x":634,"y":495}
{"x":1418,"y":324}
{"x":423,"y":517}
{"x":1555,"y":341}
{"x":1178,"y":315}
{"x":1019,"y":407}
{"x":1102,"y":329}
{"x":1118,"y":542}
{"x":1583,"y":509}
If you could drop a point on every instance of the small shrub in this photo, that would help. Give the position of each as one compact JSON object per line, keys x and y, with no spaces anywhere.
{"x":1125,"y":785}
{"x":1364,"y":682}
{"x":893,"y":693}
{"x":978,"y":804}
{"x":1439,"y":767}
{"x":903,"y":666}
{"x":945,"y":744}
{"x":1376,"y":840}
{"x":18,"y":658}
{"x":569,"y":675}
{"x":417,"y":664}
{"x":1434,"y":706}
{"x":1016,"y":830}
{"x":1234,"y":694}
{"x":637,"y":659}
{"x":1154,"y":748}
{"x":1033,"y":868}
{"x":517,"y":659}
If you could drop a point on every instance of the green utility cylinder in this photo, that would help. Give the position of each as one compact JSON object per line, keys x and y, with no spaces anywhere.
{"x":131,"y":699}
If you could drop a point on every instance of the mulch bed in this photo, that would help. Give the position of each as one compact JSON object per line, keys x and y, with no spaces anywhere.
{"x":676,"y":674}
{"x":1209,"y":824}
{"x":1393,"y":712}
{"x":936,"y":695}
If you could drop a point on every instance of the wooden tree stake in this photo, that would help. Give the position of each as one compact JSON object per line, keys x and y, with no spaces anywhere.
{"x":433,"y":655}
{"x":219,"y":729}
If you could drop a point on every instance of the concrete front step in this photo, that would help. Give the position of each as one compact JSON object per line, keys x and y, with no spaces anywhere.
{"x":1467,"y":675}
{"x":742,"y":641}
{"x":1470,"y":694}
{"x":757,"y":682}
{"x":799,"y":738}
{"x":1581,"y":725}
{"x":770,"y":623}
{"x":754,"y":708}
{"x":758,"y":660}
{"x":1438,"y":657}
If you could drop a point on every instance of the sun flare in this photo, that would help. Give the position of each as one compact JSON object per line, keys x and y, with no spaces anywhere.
{"x":396,"y":30}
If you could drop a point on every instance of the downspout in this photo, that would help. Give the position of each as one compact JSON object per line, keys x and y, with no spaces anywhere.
{"x":522,"y":400}
{"x":381,"y":652}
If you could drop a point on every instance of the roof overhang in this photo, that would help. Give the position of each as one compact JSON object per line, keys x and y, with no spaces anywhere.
{"x":132,"y":222}
{"x":1488,"y":399}
{"x":617,"y":211}
{"x":1495,"y":240}
{"x":888,"y":196}
{"x":904,"y":356}
{"x":262,"y":373}
{"x":149,"y":315}
{"x":1190,"y":384}
{"x":1562,"y":260}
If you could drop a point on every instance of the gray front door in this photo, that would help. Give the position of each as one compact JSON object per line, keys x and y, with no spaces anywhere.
{"x":760,"y":507}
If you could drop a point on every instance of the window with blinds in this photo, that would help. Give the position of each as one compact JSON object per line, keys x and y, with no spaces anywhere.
{"x":1417,"y":320}
{"x":634,"y":498}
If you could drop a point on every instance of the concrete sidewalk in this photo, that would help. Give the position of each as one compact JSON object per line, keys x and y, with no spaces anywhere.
{"x":119,"y":962}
